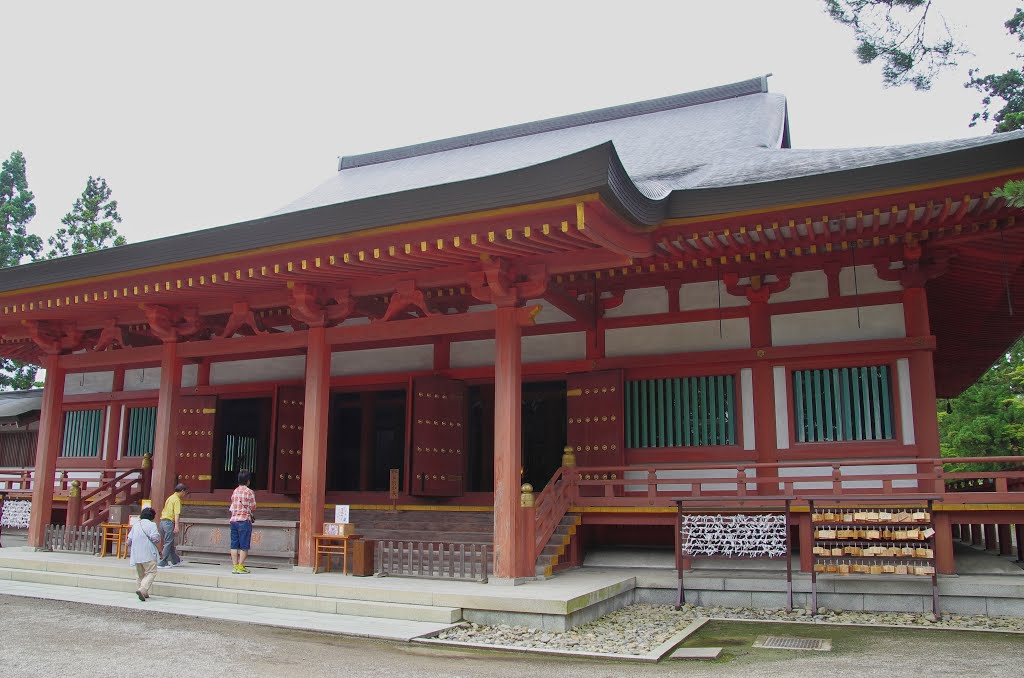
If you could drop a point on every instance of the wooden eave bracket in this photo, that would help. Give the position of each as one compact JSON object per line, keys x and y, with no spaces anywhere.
{"x":498,"y":283}
{"x":915,"y":271}
{"x":617,"y":238}
{"x":241,"y":316}
{"x":169,"y":324}
{"x":407,"y":295}
{"x":756,"y":290}
{"x":311,"y":306}
{"x":54,"y":339}
{"x":111,"y":334}
{"x":571,"y":306}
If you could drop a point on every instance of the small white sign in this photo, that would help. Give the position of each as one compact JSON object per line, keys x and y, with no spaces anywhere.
{"x":341,"y":513}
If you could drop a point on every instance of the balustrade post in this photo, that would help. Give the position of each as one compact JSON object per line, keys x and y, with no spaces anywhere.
{"x":147,"y":474}
{"x":74,"y":504}
{"x":943,"y":543}
{"x":568,"y":457}
{"x":1005,"y":545}
{"x":652,"y":486}
{"x":741,"y":481}
{"x":527,"y":552}
{"x":837,"y":479}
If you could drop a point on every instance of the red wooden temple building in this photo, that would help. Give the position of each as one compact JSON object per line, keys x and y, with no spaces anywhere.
{"x":668,"y":289}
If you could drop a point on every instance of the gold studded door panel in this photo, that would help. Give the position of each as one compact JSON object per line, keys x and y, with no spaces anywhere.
{"x":595,"y":406}
{"x":438,"y":437}
{"x":197,"y":416}
{"x":288,"y":447}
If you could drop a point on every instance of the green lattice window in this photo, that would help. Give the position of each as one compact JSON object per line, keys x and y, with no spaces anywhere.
{"x":240,"y":453}
{"x":846,"y":403}
{"x":141,"y":431}
{"x":82,"y":432}
{"x":681,"y":412}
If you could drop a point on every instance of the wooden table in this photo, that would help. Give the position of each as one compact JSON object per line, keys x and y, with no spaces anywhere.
{"x":328,"y":545}
{"x":115,"y":534}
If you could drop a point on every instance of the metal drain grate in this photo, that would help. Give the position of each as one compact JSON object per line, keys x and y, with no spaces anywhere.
{"x":786,"y":643}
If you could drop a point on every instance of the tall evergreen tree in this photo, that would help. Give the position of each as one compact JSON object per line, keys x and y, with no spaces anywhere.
{"x":90,"y":223}
{"x":16,"y":244}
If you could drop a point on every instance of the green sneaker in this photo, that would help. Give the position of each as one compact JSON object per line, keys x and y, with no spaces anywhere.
{"x":242,"y":569}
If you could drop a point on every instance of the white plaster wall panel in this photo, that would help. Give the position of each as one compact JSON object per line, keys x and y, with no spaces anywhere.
{"x":781,"y":407}
{"x":677,"y":338}
{"x":747,"y":403}
{"x":818,"y":327}
{"x":906,"y":401}
{"x":189,"y":375}
{"x":704,"y":295}
{"x":88,"y":382}
{"x":803,"y":285}
{"x":260,"y":369}
{"x":482,"y":308}
{"x":548,"y":313}
{"x":848,"y":471}
{"x":383,"y":360}
{"x":867,"y":282}
{"x":352,"y":322}
{"x":145,"y":379}
{"x":472,"y":353}
{"x":640,"y":302}
{"x":544,"y":348}
{"x":690,"y":474}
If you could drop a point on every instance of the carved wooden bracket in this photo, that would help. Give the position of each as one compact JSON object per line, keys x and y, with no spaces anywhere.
{"x":498,"y":283}
{"x":915,"y":272}
{"x":407,"y":294}
{"x":311,"y":305}
{"x":54,"y":338}
{"x":111,"y":334}
{"x":756,"y":291}
{"x":169,"y":324}
{"x":241,"y":316}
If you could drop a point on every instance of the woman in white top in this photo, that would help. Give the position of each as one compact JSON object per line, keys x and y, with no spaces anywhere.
{"x":143,"y":551}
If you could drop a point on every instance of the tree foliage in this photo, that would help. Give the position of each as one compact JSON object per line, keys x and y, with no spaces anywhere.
{"x":16,"y":244}
{"x":914,"y":43}
{"x":90,"y":223}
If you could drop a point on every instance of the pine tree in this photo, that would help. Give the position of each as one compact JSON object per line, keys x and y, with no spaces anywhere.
{"x":90,"y":223}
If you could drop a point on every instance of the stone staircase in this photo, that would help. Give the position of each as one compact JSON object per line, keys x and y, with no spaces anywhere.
{"x":555,"y":555}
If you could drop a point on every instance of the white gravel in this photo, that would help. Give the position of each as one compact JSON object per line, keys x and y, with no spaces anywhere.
{"x":639,"y":629}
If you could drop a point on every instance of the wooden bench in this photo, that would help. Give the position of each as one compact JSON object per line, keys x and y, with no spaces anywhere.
{"x":329,"y":545}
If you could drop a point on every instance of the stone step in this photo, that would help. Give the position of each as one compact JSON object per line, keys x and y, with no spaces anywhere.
{"x":205,"y":584}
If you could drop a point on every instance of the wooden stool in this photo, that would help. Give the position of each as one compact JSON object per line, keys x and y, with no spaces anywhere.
{"x":332,"y":545}
{"x":117,"y":535}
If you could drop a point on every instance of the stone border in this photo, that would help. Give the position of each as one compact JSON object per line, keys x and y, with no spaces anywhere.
{"x":918,"y":627}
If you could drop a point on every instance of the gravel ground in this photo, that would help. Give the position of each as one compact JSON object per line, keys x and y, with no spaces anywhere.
{"x":638,"y":629}
{"x":55,"y":638}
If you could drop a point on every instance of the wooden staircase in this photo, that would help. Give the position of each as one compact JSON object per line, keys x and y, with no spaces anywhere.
{"x":561,"y":551}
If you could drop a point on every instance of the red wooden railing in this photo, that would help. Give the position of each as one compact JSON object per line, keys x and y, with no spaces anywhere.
{"x":550,"y":505}
{"x":109,"y":488}
{"x":124,"y":488}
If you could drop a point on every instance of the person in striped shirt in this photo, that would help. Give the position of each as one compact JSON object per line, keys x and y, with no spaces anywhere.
{"x":243,"y":502}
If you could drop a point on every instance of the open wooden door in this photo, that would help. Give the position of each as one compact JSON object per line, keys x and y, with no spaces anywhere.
{"x":288,"y":439}
{"x":438,"y":455}
{"x":197,"y":416}
{"x":595,"y":408}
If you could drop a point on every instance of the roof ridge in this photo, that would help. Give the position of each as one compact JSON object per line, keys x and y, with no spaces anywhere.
{"x":757,"y":85}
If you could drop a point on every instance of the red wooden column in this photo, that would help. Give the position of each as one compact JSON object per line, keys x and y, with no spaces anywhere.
{"x":47,"y":449}
{"x":507,"y":436}
{"x":922,"y":374}
{"x":1005,"y":543}
{"x":166,"y":414}
{"x":312,"y":486}
{"x":943,"y":544}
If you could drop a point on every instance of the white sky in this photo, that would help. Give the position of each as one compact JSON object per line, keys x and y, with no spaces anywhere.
{"x":206,"y":113}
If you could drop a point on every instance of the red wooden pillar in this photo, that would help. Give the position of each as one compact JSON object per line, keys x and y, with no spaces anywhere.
{"x":806,"y":541}
{"x":976,"y":536}
{"x":1005,"y":545}
{"x":47,"y":448}
{"x":74,"y":517}
{"x":922,"y":374}
{"x":314,"y":443}
{"x":166,"y":411}
{"x":990,"y":537}
{"x":944,"y":563}
{"x":507,"y":432}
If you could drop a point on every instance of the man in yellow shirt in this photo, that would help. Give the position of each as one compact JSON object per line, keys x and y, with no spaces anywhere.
{"x":169,"y":527}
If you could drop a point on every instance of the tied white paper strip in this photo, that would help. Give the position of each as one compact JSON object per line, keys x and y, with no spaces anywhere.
{"x":759,"y":536}
{"x":16,"y":514}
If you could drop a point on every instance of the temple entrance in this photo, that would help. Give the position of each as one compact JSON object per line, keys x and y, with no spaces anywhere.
{"x":366,"y":439}
{"x":544,"y":429}
{"x":240,"y":441}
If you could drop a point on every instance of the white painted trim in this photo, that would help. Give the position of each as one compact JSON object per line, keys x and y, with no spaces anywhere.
{"x":781,"y":407}
{"x":747,"y":400}
{"x":106,"y":431}
{"x":906,"y":401}
{"x":120,"y":433}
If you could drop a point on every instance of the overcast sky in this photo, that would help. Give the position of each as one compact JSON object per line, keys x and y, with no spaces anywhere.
{"x":207,"y":113}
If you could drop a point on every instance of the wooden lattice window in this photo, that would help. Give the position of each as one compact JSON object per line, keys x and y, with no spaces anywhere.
{"x":681,"y":412}
{"x":82,"y":431}
{"x":240,"y":453}
{"x":845,"y":403}
{"x":141,"y":431}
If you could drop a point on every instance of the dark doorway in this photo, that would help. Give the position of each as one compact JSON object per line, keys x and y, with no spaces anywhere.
{"x":241,"y":435}
{"x":366,"y":440}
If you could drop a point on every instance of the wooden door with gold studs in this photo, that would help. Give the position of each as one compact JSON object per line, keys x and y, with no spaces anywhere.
{"x":288,"y":447}
{"x":595,"y":406}
{"x":439,"y":412}
{"x":197,"y":416}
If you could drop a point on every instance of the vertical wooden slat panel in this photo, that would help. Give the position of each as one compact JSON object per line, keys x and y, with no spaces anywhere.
{"x":819,"y":431}
{"x":865,"y":396}
{"x":643,"y":415}
{"x":659,"y":387}
{"x":855,"y":396}
{"x":628,"y":414}
{"x":712,"y":410}
{"x":826,"y":400}
{"x":798,"y":406}
{"x":731,"y":386}
{"x":875,"y":405}
{"x":702,"y":412}
{"x":678,"y":412}
{"x":687,"y":412}
{"x":844,"y":390}
{"x":652,"y":414}
{"x":886,"y":389}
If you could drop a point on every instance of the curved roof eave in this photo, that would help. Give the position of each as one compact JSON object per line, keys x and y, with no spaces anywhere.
{"x":594,"y":170}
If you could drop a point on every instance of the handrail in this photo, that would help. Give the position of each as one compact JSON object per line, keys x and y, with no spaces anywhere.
{"x":550,"y":505}
{"x":94,"y":512}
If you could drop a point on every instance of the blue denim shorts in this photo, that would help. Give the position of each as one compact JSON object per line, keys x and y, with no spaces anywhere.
{"x":241,"y":534}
